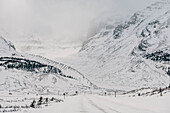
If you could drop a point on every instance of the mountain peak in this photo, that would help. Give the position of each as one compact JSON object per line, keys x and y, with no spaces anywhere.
{"x":6,"y":45}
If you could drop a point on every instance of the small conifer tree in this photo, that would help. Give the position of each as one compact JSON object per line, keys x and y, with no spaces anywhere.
{"x":40,"y":101}
{"x":33,"y":104}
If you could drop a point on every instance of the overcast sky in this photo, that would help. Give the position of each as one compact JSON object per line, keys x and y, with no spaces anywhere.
{"x":66,"y":21}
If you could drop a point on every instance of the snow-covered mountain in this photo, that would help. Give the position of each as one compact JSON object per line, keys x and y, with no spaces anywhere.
{"x":30,"y":73}
{"x":129,"y":54}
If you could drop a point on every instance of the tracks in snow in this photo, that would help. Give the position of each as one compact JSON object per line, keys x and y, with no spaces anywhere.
{"x":94,"y":104}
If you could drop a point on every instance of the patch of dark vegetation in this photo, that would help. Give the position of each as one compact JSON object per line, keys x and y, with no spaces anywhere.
{"x":44,"y":102}
{"x":148,"y":30}
{"x":30,"y":65}
{"x":154,"y":91}
{"x":12,"y":108}
{"x":38,"y":103}
{"x":158,"y":56}
{"x":135,"y":90}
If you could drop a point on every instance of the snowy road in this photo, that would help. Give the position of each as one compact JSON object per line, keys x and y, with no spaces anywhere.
{"x":108,"y":104}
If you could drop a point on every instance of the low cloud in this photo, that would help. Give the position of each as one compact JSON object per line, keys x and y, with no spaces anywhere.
{"x":61,"y":21}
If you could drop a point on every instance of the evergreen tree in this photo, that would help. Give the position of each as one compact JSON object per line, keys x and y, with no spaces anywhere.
{"x":40,"y":101}
{"x":52,"y":99}
{"x":33,"y":104}
{"x":160,"y":91}
{"x":46,"y":100}
{"x":138,"y":94}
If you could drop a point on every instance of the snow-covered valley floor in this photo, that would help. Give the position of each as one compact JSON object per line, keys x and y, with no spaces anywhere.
{"x":89,"y":103}
{"x":102,"y":104}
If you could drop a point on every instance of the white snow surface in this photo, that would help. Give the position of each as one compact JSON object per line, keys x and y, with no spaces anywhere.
{"x":90,"y":103}
{"x":99,"y":104}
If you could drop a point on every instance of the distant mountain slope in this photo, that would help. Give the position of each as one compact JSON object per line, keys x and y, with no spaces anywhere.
{"x":131,"y":54}
{"x":29,"y":73}
{"x":6,"y":47}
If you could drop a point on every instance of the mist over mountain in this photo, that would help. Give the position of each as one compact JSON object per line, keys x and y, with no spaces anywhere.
{"x":59,"y":22}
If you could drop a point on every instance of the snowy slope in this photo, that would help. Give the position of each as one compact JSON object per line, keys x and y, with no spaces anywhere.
{"x":129,"y":54}
{"x":6,"y":47}
{"x":29,"y":73}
